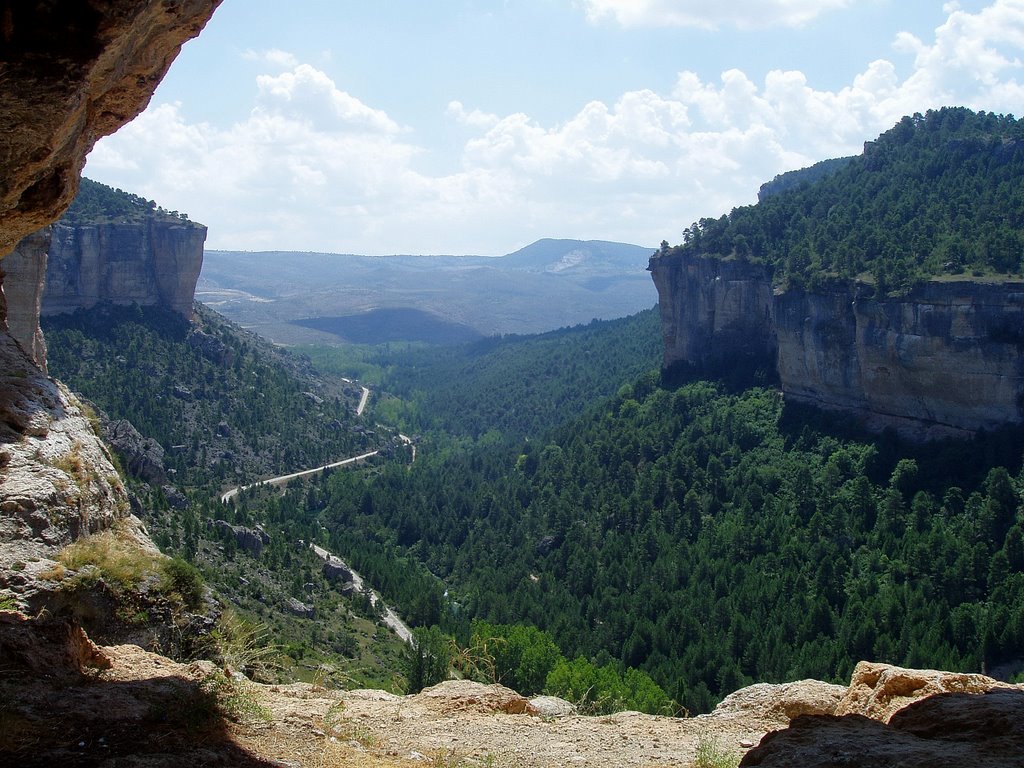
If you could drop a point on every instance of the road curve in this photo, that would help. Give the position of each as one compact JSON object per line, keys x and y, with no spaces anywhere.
{"x":362,"y":401}
{"x":388,"y":615}
{"x":282,"y":479}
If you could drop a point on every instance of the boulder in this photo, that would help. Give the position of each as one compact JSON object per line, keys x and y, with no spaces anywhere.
{"x":465,"y":695}
{"x":143,"y":456}
{"x":252,"y":540}
{"x":553,"y":707}
{"x":979,"y":730}
{"x":879,"y":691}
{"x":907,"y":717}
{"x":300,"y":609}
{"x":775,"y":705}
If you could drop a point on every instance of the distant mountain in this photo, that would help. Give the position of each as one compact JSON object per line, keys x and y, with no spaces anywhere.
{"x":294,"y":297}
{"x":549,"y":255}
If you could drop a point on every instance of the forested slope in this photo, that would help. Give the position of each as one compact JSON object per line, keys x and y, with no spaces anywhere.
{"x":939,"y":193}
{"x":715,"y":540}
{"x":223,"y":404}
{"x":514,"y":386}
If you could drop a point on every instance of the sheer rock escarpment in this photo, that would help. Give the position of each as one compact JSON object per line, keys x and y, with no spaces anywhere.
{"x":944,"y":359}
{"x":149,"y":263}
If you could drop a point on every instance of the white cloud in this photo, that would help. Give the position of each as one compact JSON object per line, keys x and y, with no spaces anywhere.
{"x":473,"y":119}
{"x":313,"y":168}
{"x":307,"y":93}
{"x":709,"y":14}
{"x":274,"y":56}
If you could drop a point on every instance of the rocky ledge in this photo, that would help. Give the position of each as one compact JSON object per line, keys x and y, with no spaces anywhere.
{"x":149,"y":263}
{"x":71,"y":700}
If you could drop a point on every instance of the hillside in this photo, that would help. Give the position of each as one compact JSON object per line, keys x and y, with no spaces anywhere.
{"x":336,"y":298}
{"x":517,"y":386}
{"x":75,"y":702}
{"x":888,"y":286}
{"x":939,"y":193}
{"x":663,"y":530}
{"x":194,"y":407}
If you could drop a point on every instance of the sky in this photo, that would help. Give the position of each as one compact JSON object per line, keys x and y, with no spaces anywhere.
{"x":478,"y":126}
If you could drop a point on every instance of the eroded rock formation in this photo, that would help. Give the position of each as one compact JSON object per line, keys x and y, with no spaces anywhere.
{"x":23,"y":275}
{"x":946,"y":358}
{"x":149,"y":263}
{"x":908,"y":717}
{"x":73,"y":72}
{"x":57,"y":482}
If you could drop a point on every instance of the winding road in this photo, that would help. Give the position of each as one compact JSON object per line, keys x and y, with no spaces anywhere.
{"x":362,"y":401}
{"x":388,"y":615}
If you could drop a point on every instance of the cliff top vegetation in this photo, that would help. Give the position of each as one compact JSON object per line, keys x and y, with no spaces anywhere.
{"x":97,"y":203}
{"x":938,"y":194}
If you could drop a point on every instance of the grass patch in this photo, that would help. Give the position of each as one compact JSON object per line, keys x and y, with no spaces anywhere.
{"x":199,"y":708}
{"x":244,"y":646}
{"x":120,"y":563}
{"x":123,"y":566}
{"x":711,"y":754}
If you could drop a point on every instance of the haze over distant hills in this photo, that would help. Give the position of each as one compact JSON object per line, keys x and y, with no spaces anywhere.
{"x":292,"y":297}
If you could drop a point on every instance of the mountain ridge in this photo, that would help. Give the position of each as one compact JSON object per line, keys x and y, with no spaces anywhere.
{"x":547,"y":285}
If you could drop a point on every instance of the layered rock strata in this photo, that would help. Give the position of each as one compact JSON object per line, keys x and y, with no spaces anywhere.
{"x":946,"y":358}
{"x":154,"y":262}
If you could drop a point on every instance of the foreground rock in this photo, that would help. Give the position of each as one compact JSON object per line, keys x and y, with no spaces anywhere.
{"x":68,"y":701}
{"x":879,"y":691}
{"x":907,"y":717}
{"x":979,"y":730}
{"x":73,"y":72}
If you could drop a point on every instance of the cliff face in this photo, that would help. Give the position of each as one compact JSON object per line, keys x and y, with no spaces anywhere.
{"x":24,"y":272}
{"x":57,"y":482}
{"x":155,"y":262}
{"x":945,"y":358}
{"x":713,"y":310}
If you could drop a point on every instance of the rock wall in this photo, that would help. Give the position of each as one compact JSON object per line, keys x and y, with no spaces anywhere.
{"x":23,"y":273}
{"x":57,"y":482}
{"x":947,"y":358}
{"x":72,"y":72}
{"x":712,"y":310}
{"x":155,"y":262}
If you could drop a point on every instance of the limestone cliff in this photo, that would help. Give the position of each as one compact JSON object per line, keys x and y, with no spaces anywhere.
{"x":713,"y":310}
{"x":945,"y":358}
{"x":151,"y":262}
{"x":24,"y":273}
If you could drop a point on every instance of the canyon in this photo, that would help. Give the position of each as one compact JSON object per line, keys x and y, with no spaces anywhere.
{"x":944,"y":359}
{"x":77,"y":71}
